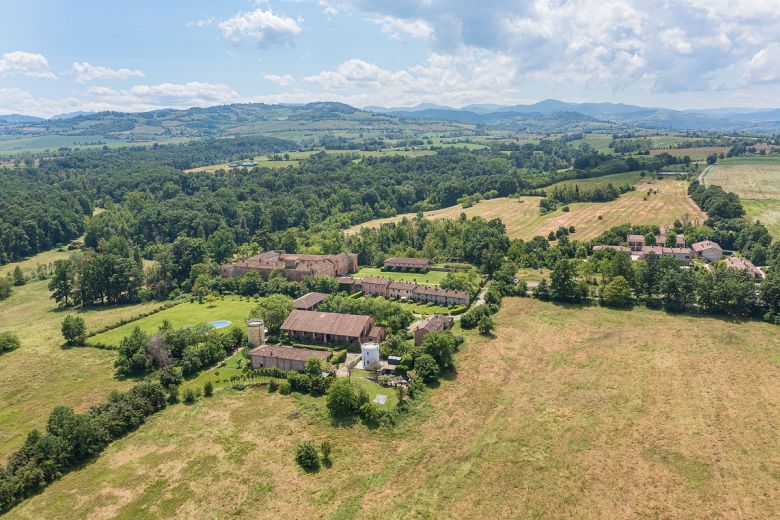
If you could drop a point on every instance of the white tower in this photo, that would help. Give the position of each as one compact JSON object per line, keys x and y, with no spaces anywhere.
{"x":369,"y":353}
{"x":255,"y":332}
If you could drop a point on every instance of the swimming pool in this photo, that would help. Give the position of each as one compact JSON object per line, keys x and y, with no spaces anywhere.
{"x":219,"y":324}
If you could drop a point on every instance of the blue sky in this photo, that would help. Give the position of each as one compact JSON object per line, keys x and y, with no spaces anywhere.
{"x":61,"y":56}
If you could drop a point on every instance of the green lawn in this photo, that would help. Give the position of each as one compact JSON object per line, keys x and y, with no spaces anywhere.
{"x":183,"y":315}
{"x":220,"y":375}
{"x":373,"y":389}
{"x":429,"y":278}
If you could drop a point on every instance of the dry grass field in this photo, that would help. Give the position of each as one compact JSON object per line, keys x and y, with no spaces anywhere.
{"x":698,"y":153}
{"x":615,"y":414}
{"x":41,"y":374}
{"x":757,"y":181}
{"x":522,"y":219}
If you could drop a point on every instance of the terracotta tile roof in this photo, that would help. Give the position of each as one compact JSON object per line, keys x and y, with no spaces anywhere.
{"x":735,"y":262}
{"x":292,"y":353}
{"x":436,"y":323}
{"x":705,"y":244}
{"x":402,"y":261}
{"x":376,"y":280}
{"x":402,"y":286}
{"x":308,"y":300}
{"x":350,"y":325}
{"x":438,"y":291}
{"x":636,"y":238}
{"x":376,"y":333}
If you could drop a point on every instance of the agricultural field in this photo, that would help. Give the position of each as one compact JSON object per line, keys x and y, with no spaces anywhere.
{"x":41,"y":374}
{"x":696,"y":154}
{"x":187,"y":314}
{"x":522,"y":219}
{"x":429,"y":278}
{"x":610,"y":416}
{"x":757,"y":182}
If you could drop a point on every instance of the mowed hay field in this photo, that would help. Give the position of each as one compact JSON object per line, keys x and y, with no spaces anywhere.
{"x":757,"y":181}
{"x":522,"y":219}
{"x":615,"y":414}
{"x":41,"y":374}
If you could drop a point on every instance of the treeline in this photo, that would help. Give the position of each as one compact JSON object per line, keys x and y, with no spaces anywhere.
{"x":638,"y":145}
{"x":478,"y":241}
{"x":72,"y":438}
{"x":90,"y":279}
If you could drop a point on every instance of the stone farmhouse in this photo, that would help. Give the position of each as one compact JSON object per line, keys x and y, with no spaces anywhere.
{"x":637,"y":242}
{"x":409,"y":264}
{"x":378,"y":286}
{"x":742,"y":264}
{"x":331,"y":327}
{"x":434,"y":323}
{"x":284,"y":358}
{"x":683,"y":254}
{"x":707,"y":250}
{"x":293,"y":266}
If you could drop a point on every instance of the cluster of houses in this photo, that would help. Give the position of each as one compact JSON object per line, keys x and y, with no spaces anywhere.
{"x":412,"y":291}
{"x":293,"y":266}
{"x":706,"y":250}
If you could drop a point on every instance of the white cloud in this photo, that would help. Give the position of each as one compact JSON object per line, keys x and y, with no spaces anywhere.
{"x":85,"y":72}
{"x":201,"y":23}
{"x":470,"y":76}
{"x":21,"y":63}
{"x":284,"y":80}
{"x":398,"y":27}
{"x":265,"y":28}
{"x":612,"y":45}
{"x":764,"y":66}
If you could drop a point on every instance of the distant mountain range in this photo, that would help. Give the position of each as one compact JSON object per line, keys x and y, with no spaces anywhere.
{"x":294,"y":122}
{"x":21,"y":118}
{"x":720,"y":119}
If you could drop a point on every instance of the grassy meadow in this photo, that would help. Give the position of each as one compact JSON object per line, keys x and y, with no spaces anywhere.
{"x":757,"y":182}
{"x":567,"y":412}
{"x":429,"y":278}
{"x":41,"y":374}
{"x":522,"y":219}
{"x":185,"y":314}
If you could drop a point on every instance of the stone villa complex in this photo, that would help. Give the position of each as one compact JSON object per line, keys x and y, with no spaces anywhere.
{"x":293,"y":266}
{"x":377,"y":286}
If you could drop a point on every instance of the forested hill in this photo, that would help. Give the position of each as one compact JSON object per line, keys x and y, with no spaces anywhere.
{"x":153,"y":201}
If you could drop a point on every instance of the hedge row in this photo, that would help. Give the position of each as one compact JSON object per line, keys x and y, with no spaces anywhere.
{"x":125,"y":321}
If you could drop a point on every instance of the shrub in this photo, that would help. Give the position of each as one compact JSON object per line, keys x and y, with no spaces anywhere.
{"x":345,"y":399}
{"x":486,"y":325}
{"x":427,"y":368}
{"x":189,"y":396}
{"x":74,"y":330}
{"x":617,"y":293}
{"x":307,"y":457}
{"x":208,"y":389}
{"x":339,"y":357}
{"x":273,"y":385}
{"x":285,"y":388}
{"x":326,"y":448}
{"x":8,"y":341}
{"x":170,"y":375}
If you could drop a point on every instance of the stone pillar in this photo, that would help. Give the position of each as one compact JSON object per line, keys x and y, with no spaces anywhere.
{"x":255,"y":332}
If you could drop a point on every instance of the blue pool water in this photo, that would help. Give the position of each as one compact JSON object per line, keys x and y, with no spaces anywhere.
{"x":220,"y":323}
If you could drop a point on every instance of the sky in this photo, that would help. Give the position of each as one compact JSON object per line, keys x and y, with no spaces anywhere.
{"x":61,"y":56}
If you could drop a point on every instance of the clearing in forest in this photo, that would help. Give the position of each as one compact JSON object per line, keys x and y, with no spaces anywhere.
{"x":568,"y":412}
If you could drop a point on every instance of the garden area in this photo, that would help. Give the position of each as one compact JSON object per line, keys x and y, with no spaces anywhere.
{"x":188,"y":314}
